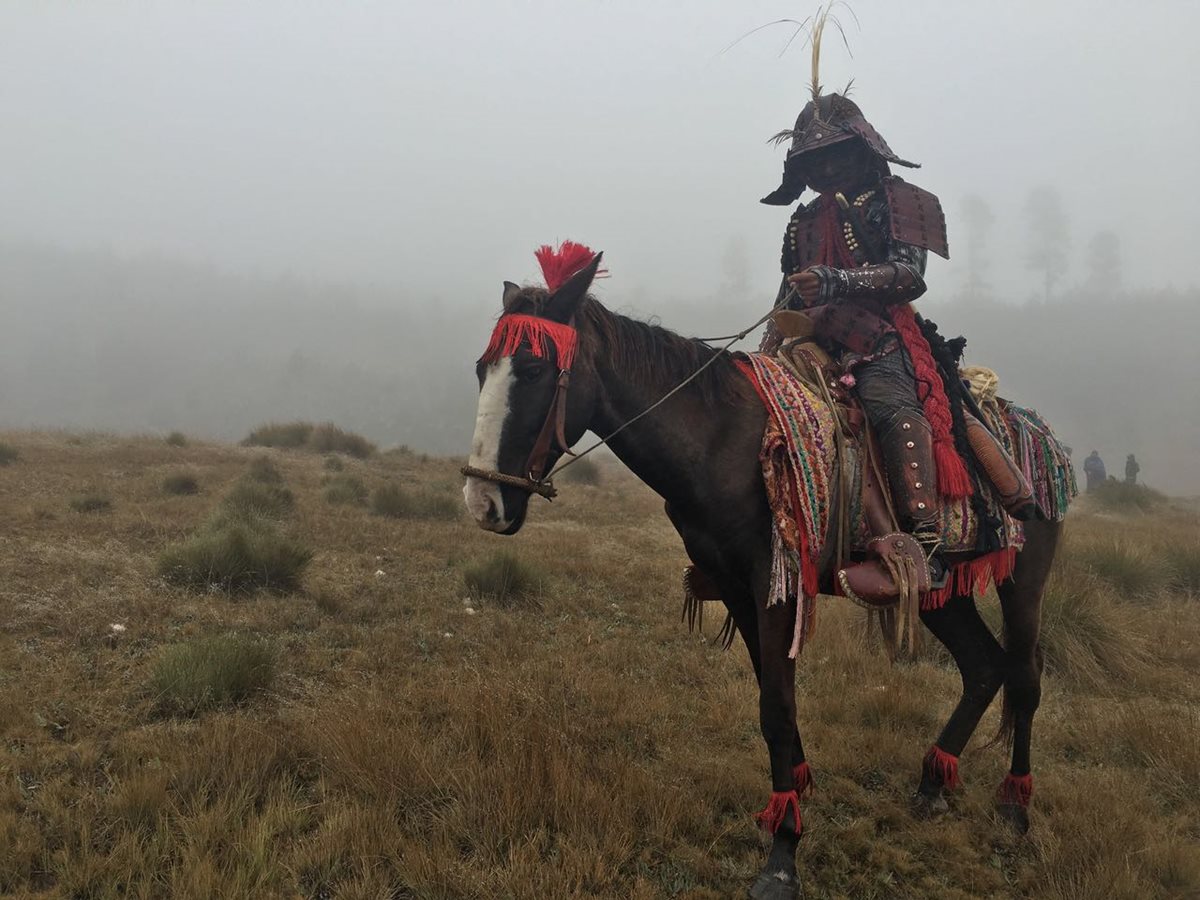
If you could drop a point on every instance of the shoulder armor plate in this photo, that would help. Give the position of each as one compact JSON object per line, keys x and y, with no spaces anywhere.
{"x":916,"y":216}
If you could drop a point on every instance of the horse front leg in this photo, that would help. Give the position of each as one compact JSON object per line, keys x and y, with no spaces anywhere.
{"x":790,"y":777}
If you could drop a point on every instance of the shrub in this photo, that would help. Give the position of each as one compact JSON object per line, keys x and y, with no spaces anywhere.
{"x":502,"y":579}
{"x":264,"y":471}
{"x":333,"y":463}
{"x":177,"y":439}
{"x":397,"y":503}
{"x":288,"y":435}
{"x":181,"y":483}
{"x":583,"y":471}
{"x":91,"y":503}
{"x":190,"y":678}
{"x":1131,"y":569}
{"x":236,"y":557}
{"x":346,"y":489}
{"x":328,"y":438}
{"x":1119,"y":496}
{"x":249,"y":500}
{"x":8,"y":454}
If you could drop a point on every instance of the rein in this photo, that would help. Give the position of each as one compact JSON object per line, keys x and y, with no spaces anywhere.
{"x":536,"y":481}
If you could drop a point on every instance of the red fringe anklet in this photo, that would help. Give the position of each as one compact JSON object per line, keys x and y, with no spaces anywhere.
{"x":803,"y":779}
{"x":772,"y":817}
{"x":942,"y":766}
{"x":1016,"y":790}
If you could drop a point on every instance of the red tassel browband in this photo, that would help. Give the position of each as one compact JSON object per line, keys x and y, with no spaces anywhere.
{"x":513,"y":330}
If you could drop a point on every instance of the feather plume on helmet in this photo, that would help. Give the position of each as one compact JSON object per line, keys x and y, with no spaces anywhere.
{"x":826,"y":119}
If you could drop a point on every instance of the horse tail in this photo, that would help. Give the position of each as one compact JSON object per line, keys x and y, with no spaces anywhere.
{"x":1008,"y":713}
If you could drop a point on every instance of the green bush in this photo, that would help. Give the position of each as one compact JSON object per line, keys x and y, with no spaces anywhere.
{"x":347,"y":489}
{"x":236,"y":557}
{"x":8,"y":454}
{"x":501,"y":579}
{"x":249,"y":500}
{"x":286,"y":435}
{"x":1119,"y":496}
{"x":397,"y":503}
{"x":181,"y":483}
{"x":583,"y":471}
{"x":177,"y":439}
{"x":190,"y":678}
{"x":264,"y":471}
{"x":91,"y":503}
{"x":328,"y":438}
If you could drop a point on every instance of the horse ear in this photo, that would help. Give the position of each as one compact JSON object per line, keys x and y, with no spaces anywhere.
{"x":563,"y":303}
{"x":511,"y":292}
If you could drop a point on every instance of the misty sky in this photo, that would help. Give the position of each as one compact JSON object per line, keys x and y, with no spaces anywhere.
{"x":430,"y":146}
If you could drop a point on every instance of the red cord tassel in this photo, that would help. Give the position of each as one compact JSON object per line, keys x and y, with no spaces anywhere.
{"x":942,"y":766}
{"x":559,"y":265}
{"x":772,"y":817}
{"x":1015,"y":789}
{"x":803,"y":779}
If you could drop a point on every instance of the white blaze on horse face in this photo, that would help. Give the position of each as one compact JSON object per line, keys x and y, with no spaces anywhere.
{"x":483,"y":497}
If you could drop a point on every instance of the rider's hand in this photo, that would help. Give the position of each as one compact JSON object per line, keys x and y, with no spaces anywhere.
{"x":807,"y":285}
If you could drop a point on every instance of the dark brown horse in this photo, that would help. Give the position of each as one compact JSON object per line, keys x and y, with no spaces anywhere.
{"x":700,"y":452}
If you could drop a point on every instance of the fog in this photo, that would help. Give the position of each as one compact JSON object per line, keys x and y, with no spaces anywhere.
{"x":212,"y":215}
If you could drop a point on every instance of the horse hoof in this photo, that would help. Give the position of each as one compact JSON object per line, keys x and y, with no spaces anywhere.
{"x":929,"y":806}
{"x":1015,"y":815}
{"x":776,"y":886}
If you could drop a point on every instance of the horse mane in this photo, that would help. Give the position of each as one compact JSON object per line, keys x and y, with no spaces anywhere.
{"x":644,"y":351}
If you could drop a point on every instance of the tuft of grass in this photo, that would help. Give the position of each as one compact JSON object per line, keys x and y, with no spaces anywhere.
{"x":248,"y":500}
{"x":583,"y":471}
{"x":8,"y":454}
{"x":395,"y":502}
{"x":181,"y":483}
{"x":188,"y":679}
{"x":286,"y":435}
{"x":1183,"y":562}
{"x":91,"y":503}
{"x":236,"y":557}
{"x":1087,"y":636}
{"x":1132,"y":570}
{"x":264,"y":471}
{"x":176,"y":439}
{"x":328,"y":438}
{"x":323,"y":438}
{"x":346,"y":489}
{"x":333,"y":463}
{"x":502,"y":579}
{"x":1118,"y":496}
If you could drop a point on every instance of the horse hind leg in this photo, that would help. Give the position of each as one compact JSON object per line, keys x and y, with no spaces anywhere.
{"x":981,"y":663}
{"x":1021,"y":603}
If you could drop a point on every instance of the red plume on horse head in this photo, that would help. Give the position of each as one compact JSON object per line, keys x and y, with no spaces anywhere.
{"x":559,"y":265}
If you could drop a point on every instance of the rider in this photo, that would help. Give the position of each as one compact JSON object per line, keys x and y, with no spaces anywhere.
{"x":853,"y":260}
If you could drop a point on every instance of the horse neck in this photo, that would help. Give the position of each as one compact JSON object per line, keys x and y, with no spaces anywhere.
{"x":669,"y":448}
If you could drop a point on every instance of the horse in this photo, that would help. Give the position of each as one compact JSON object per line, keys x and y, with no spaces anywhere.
{"x":699,"y":450}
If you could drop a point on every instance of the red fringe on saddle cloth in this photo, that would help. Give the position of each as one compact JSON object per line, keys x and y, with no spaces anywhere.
{"x":953,"y":481}
{"x":1015,"y":789}
{"x":973,"y":577}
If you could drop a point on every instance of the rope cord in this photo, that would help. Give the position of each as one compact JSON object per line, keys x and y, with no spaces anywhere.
{"x":732,"y":339}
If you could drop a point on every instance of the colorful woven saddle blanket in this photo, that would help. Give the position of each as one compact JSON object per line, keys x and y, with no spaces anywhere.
{"x":806,"y":477}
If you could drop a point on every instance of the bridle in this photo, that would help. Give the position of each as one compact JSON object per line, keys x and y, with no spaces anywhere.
{"x":536,"y":480}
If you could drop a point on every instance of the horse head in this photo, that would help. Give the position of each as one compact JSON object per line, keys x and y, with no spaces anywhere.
{"x":526,"y":417}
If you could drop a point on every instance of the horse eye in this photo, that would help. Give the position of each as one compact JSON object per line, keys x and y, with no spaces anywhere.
{"x":533,"y":373}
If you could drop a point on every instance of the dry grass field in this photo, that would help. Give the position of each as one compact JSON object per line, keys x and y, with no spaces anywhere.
{"x":388,"y":727}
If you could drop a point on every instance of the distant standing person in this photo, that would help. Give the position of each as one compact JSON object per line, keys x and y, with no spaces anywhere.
{"x":1093,"y":468}
{"x":1131,"y":469}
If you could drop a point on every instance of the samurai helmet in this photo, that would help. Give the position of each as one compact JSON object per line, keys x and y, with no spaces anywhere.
{"x":827,"y":119}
